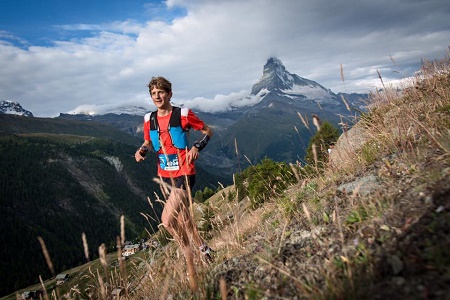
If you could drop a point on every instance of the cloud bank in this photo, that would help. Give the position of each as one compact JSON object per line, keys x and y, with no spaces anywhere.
{"x":215,"y":51}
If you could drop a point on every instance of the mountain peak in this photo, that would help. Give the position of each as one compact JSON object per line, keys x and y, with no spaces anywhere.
{"x":13,"y":108}
{"x":274,"y":64}
{"x":275,"y":77}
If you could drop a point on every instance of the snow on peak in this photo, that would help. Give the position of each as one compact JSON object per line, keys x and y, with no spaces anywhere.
{"x":13,"y":108}
{"x":103,"y":109}
{"x":276,"y":78}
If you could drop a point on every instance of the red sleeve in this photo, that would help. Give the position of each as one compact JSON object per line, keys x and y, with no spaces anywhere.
{"x":191,"y":121}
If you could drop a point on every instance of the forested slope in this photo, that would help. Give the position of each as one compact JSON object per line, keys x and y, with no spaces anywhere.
{"x":58,"y":186}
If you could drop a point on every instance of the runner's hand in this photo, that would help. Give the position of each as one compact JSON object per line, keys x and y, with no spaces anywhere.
{"x":138,"y":156}
{"x":192,"y":155}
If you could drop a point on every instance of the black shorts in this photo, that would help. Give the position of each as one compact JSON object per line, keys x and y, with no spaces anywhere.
{"x":180,"y":182}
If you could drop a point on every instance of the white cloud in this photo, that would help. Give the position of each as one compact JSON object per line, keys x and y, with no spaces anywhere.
{"x":223,"y":102}
{"x":217,"y":50}
{"x":125,"y":27}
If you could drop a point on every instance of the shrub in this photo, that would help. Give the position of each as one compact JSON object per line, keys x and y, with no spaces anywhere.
{"x":326,"y":136}
{"x":262,"y":181}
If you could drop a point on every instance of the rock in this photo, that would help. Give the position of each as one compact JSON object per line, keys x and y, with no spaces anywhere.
{"x":396,"y":264}
{"x":347,"y":146}
{"x":363,"y":186}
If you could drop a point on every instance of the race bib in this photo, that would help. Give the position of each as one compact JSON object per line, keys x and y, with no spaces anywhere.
{"x":169,"y":162}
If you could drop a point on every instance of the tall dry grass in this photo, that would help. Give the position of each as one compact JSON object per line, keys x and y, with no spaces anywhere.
{"x":403,"y":131}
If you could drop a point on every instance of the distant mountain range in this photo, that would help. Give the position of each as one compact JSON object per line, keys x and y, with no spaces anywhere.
{"x":271,"y":127}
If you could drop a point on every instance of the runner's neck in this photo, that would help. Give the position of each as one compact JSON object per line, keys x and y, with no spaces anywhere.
{"x":162,"y":112}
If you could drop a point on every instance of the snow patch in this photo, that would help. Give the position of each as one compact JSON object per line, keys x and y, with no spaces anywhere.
{"x":309,"y":91}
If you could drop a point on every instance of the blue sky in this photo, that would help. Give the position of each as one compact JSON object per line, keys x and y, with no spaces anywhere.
{"x":60,"y":55}
{"x":40,"y":22}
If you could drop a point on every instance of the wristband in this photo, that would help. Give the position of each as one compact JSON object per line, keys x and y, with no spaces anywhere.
{"x":143,"y":150}
{"x":200,"y":144}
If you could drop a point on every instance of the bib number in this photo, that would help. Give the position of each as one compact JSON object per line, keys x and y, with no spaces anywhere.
{"x":169,"y":162}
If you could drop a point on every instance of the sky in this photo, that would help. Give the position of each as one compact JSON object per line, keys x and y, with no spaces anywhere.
{"x":84,"y":56}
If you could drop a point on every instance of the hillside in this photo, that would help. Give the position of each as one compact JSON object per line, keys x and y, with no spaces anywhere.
{"x":60,"y":179}
{"x":58,"y":187}
{"x":372,"y":224}
{"x":13,"y":124}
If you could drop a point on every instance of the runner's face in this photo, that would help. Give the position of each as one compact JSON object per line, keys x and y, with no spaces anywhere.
{"x":160,"y":97}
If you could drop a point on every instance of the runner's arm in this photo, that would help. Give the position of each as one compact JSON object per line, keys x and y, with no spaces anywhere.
{"x":193,"y":153}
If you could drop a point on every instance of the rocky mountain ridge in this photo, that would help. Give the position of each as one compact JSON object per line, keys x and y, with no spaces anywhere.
{"x":275,"y":78}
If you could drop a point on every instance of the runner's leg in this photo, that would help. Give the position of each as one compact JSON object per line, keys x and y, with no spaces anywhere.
{"x":172,"y":219}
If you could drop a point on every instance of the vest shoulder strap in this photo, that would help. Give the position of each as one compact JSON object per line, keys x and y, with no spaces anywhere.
{"x":175,"y":118}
